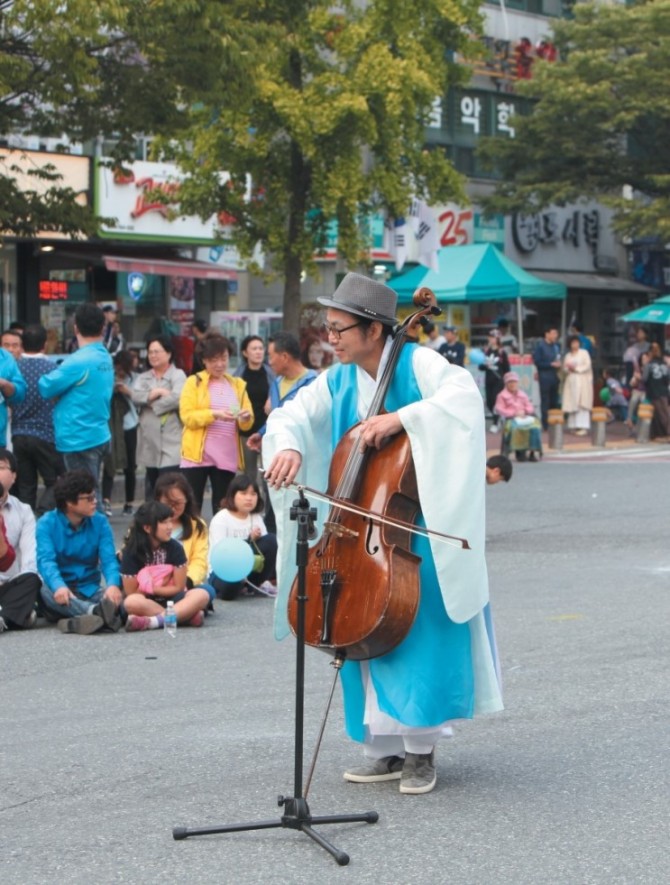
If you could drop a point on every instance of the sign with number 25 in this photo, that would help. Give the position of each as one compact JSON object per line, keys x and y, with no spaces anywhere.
{"x":456,"y":227}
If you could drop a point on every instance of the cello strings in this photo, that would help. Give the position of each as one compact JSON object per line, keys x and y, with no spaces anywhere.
{"x":451,"y":540}
{"x":353,"y":465}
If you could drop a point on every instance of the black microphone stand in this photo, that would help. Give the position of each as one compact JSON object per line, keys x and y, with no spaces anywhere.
{"x":297,"y":815}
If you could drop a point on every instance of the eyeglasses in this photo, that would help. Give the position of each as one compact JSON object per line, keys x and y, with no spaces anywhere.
{"x":179,"y":502}
{"x":89,"y":498}
{"x":336,"y":331}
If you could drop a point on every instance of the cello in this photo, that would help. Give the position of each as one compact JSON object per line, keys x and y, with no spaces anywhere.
{"x":362,"y":579}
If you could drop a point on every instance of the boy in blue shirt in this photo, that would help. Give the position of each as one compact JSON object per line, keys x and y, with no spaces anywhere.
{"x":75,"y":550}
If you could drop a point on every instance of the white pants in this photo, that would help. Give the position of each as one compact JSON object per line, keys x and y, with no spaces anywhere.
{"x":381,"y":745}
{"x":579,"y":420}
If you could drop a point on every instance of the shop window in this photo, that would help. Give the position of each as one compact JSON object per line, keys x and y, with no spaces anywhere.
{"x":142,"y":299}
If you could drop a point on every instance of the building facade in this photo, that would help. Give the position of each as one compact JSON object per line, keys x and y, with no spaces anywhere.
{"x":156,"y":265}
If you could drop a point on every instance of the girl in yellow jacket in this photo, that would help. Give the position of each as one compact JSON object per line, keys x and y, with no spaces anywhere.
{"x":212,"y":407}
{"x":189,"y":529}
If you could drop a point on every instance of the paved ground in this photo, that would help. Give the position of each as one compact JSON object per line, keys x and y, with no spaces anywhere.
{"x":109,"y":741}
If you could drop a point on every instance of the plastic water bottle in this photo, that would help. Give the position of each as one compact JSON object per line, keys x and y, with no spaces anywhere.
{"x":170,"y":620}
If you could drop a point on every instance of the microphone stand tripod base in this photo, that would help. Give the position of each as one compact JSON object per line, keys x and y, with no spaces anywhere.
{"x":297,"y":815}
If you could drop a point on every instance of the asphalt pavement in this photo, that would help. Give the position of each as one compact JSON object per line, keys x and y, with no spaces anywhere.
{"x":109,"y":741}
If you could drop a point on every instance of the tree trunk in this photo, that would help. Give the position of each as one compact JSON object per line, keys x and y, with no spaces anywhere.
{"x":292,"y":257}
{"x":292,"y":300}
{"x":299,"y":185}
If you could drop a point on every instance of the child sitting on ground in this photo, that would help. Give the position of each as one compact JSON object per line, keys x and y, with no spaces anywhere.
{"x":153,"y":570}
{"x":240,"y":517}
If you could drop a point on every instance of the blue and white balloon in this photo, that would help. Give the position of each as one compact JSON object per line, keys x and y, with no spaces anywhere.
{"x":477,"y":357}
{"x":231,"y":559}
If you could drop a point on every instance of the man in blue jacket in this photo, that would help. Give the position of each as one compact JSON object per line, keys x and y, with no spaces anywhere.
{"x":75,"y":550}
{"x":83,"y":385}
{"x":12,"y":389}
{"x":290,"y":376}
{"x":547,"y":359}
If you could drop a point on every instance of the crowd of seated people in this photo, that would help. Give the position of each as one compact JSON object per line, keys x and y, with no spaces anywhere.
{"x":68,"y":421}
{"x":65,"y":567}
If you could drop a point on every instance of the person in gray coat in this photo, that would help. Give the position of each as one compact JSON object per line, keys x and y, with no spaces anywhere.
{"x":156,"y":394}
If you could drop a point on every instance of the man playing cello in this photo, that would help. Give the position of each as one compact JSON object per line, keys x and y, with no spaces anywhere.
{"x":400,"y":704}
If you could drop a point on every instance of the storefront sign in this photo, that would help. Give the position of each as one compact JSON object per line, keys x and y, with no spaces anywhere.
{"x":52,"y":290}
{"x":227,"y":255}
{"x":474,"y":114}
{"x":129,"y":196}
{"x":490,"y":230}
{"x":576,"y":238}
{"x":182,"y":302}
{"x":73,"y":173}
{"x":71,"y":275}
{"x":456,"y":226}
{"x":136,"y":285}
{"x":551,"y":226}
{"x":64,"y":285}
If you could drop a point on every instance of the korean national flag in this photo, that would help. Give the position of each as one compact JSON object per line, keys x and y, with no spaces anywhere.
{"x":424,"y":226}
{"x":396,"y":239}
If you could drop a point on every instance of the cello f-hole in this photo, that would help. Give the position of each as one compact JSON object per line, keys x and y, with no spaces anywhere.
{"x":371,"y":551}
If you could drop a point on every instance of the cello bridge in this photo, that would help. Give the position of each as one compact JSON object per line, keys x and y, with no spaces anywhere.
{"x":339,"y":530}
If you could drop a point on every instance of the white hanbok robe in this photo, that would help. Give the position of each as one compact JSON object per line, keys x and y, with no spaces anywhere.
{"x":445,"y":426}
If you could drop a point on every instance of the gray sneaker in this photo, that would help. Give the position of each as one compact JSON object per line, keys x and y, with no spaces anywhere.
{"x":109,"y":613}
{"x":30,"y":621}
{"x":84,"y":625}
{"x":388,"y":768}
{"x":418,"y":773}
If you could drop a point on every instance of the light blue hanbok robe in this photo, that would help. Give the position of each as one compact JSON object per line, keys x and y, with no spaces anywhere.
{"x":446,"y":667}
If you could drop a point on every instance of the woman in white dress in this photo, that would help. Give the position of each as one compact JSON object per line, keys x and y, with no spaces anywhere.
{"x":577,"y":396}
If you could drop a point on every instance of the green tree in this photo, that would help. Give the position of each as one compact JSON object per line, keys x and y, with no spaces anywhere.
{"x":600,"y":126}
{"x":321,"y":106}
{"x":72,"y":68}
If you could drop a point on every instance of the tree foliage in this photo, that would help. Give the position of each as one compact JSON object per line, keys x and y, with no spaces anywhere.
{"x":72,"y":68}
{"x":316,"y":110}
{"x":321,"y":106}
{"x":601,"y":122}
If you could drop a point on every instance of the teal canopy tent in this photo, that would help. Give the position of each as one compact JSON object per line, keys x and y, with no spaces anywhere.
{"x":468,"y":274}
{"x":656,"y":312}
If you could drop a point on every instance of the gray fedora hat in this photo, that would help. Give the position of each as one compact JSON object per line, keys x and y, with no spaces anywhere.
{"x":365,"y":298}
